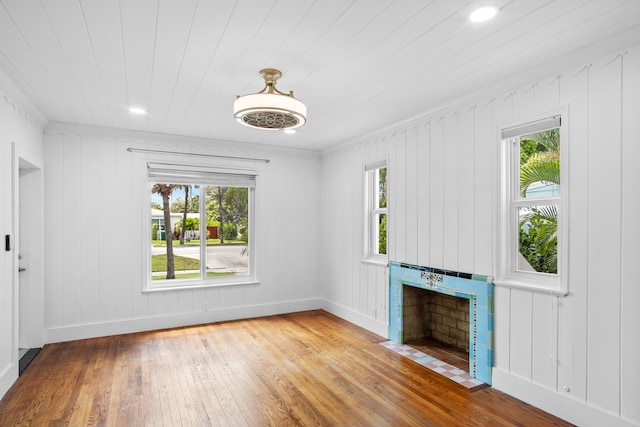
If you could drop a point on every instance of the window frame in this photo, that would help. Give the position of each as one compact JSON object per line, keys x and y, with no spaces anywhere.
{"x":215,"y":174}
{"x":507,"y":245}
{"x":371,"y":212}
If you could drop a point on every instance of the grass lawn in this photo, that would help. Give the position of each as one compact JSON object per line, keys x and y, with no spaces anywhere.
{"x":176,"y":243}
{"x":181,"y":263}
{"x":159,"y":263}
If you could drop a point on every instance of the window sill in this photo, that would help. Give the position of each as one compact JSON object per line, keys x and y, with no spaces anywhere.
{"x":198,"y":285}
{"x":543,"y":288}
{"x":382,"y":262}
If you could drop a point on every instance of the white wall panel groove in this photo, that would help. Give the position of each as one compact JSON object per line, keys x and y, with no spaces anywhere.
{"x":450,"y":195}
{"x":398,"y":204}
{"x":436,"y":193}
{"x":572,"y":358}
{"x":422,"y":156}
{"x":630,"y":272}
{"x":604,"y":234}
{"x":485,"y":181}
{"x":466,"y":199}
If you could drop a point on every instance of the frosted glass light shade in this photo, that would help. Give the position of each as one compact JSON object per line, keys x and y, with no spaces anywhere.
{"x":270,"y":111}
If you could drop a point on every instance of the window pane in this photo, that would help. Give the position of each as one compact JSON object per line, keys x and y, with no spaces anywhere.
{"x":538,"y":239}
{"x":376,"y":209}
{"x":228,"y":224}
{"x":381,"y":222}
{"x":175,"y":250}
{"x":381,"y":180}
{"x":540,"y":165}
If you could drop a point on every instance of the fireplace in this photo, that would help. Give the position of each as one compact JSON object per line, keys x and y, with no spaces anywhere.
{"x":437,"y":324}
{"x":420,"y":296}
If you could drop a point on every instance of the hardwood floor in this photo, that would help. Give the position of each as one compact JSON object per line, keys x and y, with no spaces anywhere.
{"x":303,"y":369}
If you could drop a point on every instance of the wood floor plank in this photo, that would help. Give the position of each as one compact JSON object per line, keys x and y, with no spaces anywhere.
{"x":364,"y":376}
{"x":286,"y":376}
{"x":230,"y":387}
{"x":299,"y":369}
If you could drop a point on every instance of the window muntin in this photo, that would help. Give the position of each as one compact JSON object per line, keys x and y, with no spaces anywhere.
{"x":215,"y":246}
{"x":376,"y":210}
{"x":533,"y":237}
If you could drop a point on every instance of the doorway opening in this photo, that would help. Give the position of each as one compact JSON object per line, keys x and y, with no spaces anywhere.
{"x":29,"y":272}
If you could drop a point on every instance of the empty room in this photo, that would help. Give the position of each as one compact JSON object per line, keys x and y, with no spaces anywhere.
{"x":319,"y":212}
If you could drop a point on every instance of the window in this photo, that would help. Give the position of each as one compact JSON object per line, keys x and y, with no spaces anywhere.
{"x":532,"y":205}
{"x":376,"y":211}
{"x":201,"y":226}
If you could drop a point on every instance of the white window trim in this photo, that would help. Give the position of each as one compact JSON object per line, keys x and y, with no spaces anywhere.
{"x":506,"y":246}
{"x":370,"y":255}
{"x":183,"y":284}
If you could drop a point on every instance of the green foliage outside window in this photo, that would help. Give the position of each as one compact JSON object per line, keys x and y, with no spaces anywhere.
{"x":230,"y":231}
{"x":382,"y":188}
{"x":192,"y":224}
{"x":376,"y":214}
{"x":382,"y":203}
{"x":539,"y":239}
{"x":539,"y":172}
{"x":382,"y":238}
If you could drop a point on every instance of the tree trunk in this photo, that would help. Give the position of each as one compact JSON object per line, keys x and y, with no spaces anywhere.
{"x":184,"y":214}
{"x":222,"y":216}
{"x":168,"y":233}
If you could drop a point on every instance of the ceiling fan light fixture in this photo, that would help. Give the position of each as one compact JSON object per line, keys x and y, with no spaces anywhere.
{"x":270,"y":109}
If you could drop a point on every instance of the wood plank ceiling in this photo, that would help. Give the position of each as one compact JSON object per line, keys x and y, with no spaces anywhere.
{"x":359,"y":65}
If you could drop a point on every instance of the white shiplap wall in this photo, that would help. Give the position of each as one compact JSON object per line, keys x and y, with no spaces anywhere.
{"x":576,"y":356}
{"x":95,"y":191}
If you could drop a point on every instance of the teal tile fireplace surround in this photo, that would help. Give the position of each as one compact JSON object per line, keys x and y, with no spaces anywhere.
{"x":477,"y":289}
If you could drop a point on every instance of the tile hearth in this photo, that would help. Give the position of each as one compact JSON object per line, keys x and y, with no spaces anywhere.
{"x":455,"y":374}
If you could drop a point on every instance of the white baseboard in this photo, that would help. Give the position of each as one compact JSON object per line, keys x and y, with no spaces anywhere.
{"x":356,"y":318}
{"x":560,"y":405}
{"x":94,"y":330}
{"x":7,"y":378}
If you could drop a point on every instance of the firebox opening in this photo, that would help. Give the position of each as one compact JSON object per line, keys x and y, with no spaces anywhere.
{"x":437,"y":324}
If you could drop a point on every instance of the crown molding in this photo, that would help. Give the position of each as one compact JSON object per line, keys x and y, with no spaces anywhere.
{"x":144,"y":137}
{"x":21,"y":102}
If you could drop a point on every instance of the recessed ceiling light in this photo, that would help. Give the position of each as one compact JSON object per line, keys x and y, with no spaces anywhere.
{"x":137,"y":110}
{"x":483,"y":14}
{"x":290,"y":131}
